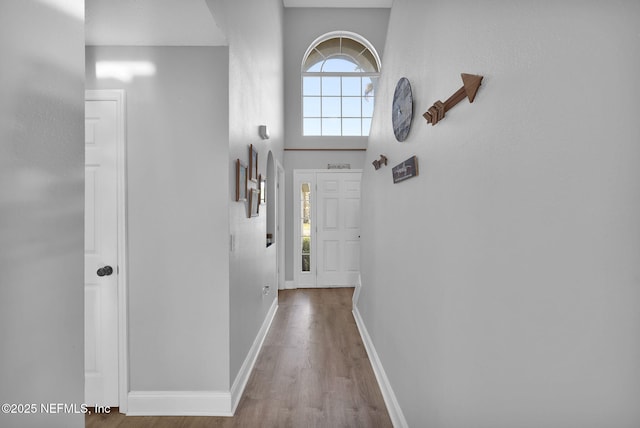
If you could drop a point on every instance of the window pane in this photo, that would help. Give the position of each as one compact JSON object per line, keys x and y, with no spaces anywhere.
{"x":311,"y":127}
{"x":351,"y":106}
{"x":306,"y":245}
{"x":311,"y":107}
{"x":331,"y":126}
{"x":305,"y":226}
{"x":311,"y":85}
{"x":331,"y":107}
{"x":305,"y":199}
{"x":330,"y":86}
{"x":366,"y":127}
{"x":339,"y":65}
{"x":351,"y":86}
{"x":351,"y":126}
{"x":367,"y":107}
{"x":313,"y":61}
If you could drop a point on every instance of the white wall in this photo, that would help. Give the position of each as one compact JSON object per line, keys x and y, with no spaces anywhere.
{"x":42,"y":210}
{"x":178,"y":187}
{"x":508,"y":272}
{"x":254,"y":32}
{"x":301,"y":27}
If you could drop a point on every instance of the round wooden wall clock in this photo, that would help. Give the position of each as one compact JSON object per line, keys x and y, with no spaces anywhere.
{"x":402,"y":111}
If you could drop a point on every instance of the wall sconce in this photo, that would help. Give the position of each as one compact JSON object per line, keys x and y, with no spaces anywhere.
{"x":379,"y":162}
{"x":263,"y":132}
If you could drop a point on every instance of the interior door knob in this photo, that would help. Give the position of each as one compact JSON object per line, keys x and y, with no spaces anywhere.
{"x":105,"y":271}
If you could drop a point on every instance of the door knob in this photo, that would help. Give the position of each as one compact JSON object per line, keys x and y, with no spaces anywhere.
{"x":105,"y":271}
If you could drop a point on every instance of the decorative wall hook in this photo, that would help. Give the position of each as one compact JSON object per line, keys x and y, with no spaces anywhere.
{"x":379,"y":162}
{"x":471,"y":83}
{"x":263,"y":131}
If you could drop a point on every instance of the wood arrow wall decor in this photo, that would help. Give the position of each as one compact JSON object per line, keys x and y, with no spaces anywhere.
{"x":471,"y":83}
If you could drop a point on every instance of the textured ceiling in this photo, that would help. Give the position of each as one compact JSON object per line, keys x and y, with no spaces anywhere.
{"x":151,"y":23}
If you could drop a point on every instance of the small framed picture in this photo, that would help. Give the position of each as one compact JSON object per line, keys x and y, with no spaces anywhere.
{"x":241,"y":181}
{"x":405,"y":170}
{"x":254,"y":202}
{"x":263,"y":189}
{"x":253,"y":164}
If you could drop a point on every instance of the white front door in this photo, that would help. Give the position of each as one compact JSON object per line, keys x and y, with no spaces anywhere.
{"x":327,"y":228}
{"x":338,"y":228}
{"x":101,"y":254}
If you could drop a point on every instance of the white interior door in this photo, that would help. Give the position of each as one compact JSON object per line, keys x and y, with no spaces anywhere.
{"x":338,"y":228}
{"x":101,"y":254}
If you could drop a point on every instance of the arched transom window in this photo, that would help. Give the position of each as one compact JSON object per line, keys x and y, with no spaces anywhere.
{"x":339,"y":76}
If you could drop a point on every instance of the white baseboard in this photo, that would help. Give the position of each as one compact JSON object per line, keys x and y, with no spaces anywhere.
{"x":395,"y":412}
{"x":356,"y":292}
{"x":247,"y":366}
{"x":291,"y":285}
{"x":179,"y":403}
{"x":201,"y":403}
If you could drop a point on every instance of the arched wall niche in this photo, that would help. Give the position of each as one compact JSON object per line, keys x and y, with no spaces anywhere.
{"x":270,"y":199}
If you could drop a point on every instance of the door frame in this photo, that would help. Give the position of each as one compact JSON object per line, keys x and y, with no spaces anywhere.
{"x":303,"y":280}
{"x":280,"y":225}
{"x":118,"y":96}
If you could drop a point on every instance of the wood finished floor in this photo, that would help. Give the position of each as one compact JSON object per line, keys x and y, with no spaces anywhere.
{"x":312,"y":371}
